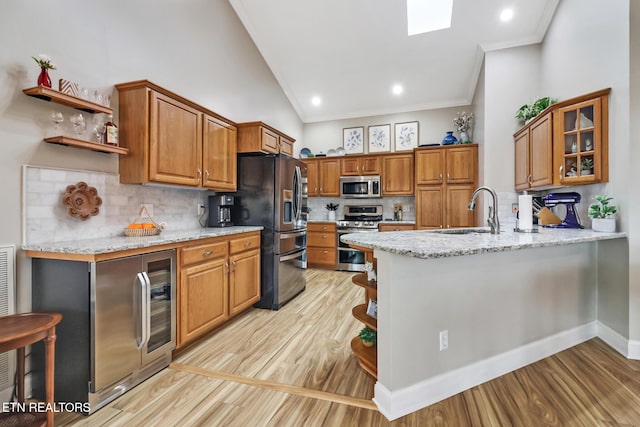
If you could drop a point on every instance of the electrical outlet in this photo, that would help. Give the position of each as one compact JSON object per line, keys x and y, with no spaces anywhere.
{"x":444,"y":340}
{"x":149,"y":207}
{"x":200,"y":210}
{"x":514,"y":208}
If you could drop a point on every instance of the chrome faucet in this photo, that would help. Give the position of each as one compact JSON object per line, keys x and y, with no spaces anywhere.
{"x":494,"y":222}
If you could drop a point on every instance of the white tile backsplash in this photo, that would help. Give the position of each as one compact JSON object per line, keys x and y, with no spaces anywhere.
{"x":320,"y":213}
{"x":45,"y":218}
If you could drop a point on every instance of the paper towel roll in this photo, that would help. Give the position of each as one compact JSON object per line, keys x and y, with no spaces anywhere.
{"x":525,"y":212}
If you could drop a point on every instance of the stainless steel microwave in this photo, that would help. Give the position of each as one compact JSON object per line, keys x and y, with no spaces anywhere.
{"x":360,"y":187}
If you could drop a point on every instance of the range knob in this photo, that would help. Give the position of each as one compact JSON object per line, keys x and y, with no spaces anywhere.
{"x":356,"y":223}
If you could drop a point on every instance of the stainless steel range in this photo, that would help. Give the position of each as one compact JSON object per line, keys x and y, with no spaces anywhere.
{"x":357,"y":219}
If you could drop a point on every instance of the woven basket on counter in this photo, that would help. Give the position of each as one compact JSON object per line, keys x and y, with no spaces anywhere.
{"x":141,"y":232}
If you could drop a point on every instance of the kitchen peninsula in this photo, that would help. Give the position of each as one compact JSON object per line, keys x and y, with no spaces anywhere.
{"x":458,"y":308}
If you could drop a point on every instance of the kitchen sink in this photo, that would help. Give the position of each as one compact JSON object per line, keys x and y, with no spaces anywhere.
{"x":462,"y":231}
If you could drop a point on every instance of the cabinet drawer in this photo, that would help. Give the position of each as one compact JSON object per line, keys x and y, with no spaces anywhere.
{"x":204,"y":252}
{"x":325,"y":240}
{"x":321,"y":256}
{"x":395,"y":227}
{"x":242,"y":244}
{"x":321,"y":226}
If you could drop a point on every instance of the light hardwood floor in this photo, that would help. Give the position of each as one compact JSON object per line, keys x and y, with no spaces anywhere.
{"x":294,"y":367}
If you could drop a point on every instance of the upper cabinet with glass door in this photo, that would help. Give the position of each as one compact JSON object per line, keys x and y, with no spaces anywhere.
{"x":581,"y":133}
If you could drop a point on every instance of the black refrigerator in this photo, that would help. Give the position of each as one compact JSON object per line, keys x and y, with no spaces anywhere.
{"x":272,"y":193}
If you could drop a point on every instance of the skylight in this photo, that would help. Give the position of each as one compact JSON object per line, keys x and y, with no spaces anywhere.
{"x":424,"y":16}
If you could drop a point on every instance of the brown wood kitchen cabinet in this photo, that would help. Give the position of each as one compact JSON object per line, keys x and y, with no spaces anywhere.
{"x":204,"y":288}
{"x":322,"y":243}
{"x":258,"y":137}
{"x":218,"y":279}
{"x":581,"y":139}
{"x":173,"y":140}
{"x":244,"y":282}
{"x":445,"y":179}
{"x":534,"y":153}
{"x":566,"y":144}
{"x":323,"y":177}
{"x":398,"y":174}
{"x":360,"y":165}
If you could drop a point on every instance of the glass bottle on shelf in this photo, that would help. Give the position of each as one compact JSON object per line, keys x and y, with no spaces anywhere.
{"x":110,"y":132}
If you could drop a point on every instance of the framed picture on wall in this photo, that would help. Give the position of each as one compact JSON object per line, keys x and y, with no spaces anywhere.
{"x":353,"y":140}
{"x":379,"y":138}
{"x":406,"y":136}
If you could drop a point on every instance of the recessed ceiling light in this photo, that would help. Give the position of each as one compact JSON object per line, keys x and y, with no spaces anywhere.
{"x":316,"y":100}
{"x":428,"y":15}
{"x":397,"y":89}
{"x":506,"y":15}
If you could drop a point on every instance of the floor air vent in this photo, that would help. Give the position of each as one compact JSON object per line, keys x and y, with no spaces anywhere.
{"x":7,"y":306}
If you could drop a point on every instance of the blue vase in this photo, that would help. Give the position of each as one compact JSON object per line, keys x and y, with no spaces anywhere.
{"x":449,"y":139}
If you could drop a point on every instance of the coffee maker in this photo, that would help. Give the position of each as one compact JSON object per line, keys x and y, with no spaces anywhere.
{"x":220,"y":207}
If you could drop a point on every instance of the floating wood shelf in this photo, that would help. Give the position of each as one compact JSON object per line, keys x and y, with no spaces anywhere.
{"x":361,"y":280}
{"x":360,"y":313}
{"x":367,"y":356}
{"x":56,"y":96}
{"x":80,"y":143}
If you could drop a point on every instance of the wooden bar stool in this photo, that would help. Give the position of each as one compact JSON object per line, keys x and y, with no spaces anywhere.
{"x":16,"y":332}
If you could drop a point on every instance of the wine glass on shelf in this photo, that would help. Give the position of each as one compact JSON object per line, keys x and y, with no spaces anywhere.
{"x":56,"y":118}
{"x":98,"y":130}
{"x":79,"y":125}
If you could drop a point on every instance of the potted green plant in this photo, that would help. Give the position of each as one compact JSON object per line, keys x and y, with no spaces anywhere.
{"x":586,"y":166}
{"x":368,"y":336}
{"x":535,"y":107}
{"x":602,"y":213}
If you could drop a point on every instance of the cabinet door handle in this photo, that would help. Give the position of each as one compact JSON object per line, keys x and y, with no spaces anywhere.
{"x":234,"y":266}
{"x":206,"y":173}
{"x":529,"y":180}
{"x":207,"y":253}
{"x":199,"y":173}
{"x":226,"y":265}
{"x":448,"y":177}
{"x":560,"y":172}
{"x":440,"y":178}
{"x":324,"y":236}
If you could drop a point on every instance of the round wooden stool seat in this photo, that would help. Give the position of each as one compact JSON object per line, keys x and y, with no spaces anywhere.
{"x":16,"y":332}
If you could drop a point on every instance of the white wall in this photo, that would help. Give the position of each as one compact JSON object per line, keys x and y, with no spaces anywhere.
{"x":511,"y":79}
{"x":587,"y":48}
{"x":198,"y":49}
{"x":633,"y":202}
{"x":322,"y":136}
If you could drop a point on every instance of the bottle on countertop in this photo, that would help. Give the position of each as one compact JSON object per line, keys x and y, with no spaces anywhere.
{"x":110,"y":132}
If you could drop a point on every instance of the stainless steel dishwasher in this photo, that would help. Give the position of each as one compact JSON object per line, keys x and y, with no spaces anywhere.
{"x":119,"y":324}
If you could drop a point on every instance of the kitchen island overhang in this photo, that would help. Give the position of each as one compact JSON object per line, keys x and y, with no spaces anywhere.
{"x":505,"y":301}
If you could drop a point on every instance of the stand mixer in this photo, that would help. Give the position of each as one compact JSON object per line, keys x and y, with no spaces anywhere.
{"x":571,"y":219}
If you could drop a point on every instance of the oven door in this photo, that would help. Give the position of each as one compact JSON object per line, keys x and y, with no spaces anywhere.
{"x":350,"y":259}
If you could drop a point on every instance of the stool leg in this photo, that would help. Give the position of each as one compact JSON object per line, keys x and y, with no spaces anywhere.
{"x":50,"y":352}
{"x":20,"y":374}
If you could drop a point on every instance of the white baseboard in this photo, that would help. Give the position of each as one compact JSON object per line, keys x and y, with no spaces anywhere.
{"x":616,"y":341}
{"x":634,"y":350}
{"x":395,"y":404}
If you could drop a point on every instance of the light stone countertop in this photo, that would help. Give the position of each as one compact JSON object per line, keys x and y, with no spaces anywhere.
{"x":433,"y":244}
{"x":123,"y":243}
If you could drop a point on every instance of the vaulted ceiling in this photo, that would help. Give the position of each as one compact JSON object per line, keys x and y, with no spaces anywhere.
{"x":350,"y":53}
